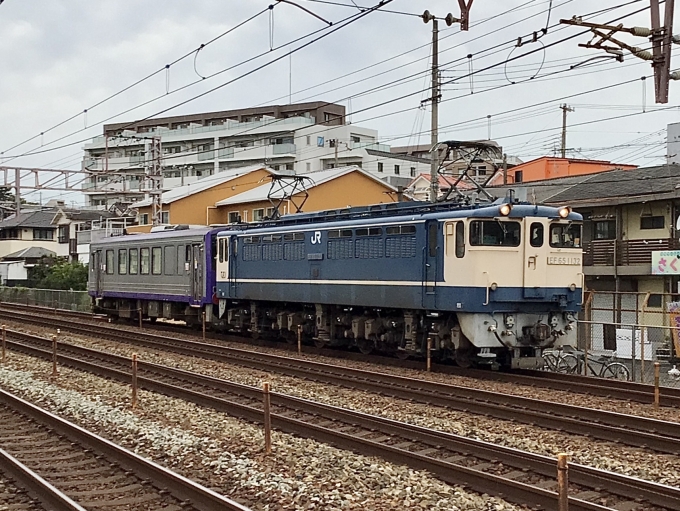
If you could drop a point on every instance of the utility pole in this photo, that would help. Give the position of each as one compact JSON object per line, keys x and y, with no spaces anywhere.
{"x":434,"y":99}
{"x":660,"y":36}
{"x":565,"y":108}
{"x":505,"y":169}
{"x":336,"y":152}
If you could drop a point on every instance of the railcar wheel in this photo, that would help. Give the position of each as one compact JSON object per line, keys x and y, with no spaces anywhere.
{"x":366,"y":346}
{"x":290,"y":337}
{"x":320,"y":343}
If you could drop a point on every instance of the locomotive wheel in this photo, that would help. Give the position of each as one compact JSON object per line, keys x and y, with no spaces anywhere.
{"x":462,"y":358}
{"x":402,"y":354}
{"x":290,"y":337}
{"x":365,"y":346}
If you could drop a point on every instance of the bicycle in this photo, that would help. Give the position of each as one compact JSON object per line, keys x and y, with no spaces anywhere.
{"x":560,"y":360}
{"x":608,"y":367}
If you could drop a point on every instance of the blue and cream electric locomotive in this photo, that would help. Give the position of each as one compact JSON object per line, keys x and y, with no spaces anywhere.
{"x":487,"y":284}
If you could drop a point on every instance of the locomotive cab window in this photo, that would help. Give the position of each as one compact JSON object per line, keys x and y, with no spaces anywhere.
{"x":565,"y":235}
{"x":432,"y":239}
{"x":536,"y":234}
{"x":460,"y":239}
{"x":494,"y":233}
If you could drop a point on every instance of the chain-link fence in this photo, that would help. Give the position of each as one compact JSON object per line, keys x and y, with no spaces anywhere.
{"x":636,"y":329}
{"x":54,"y":298}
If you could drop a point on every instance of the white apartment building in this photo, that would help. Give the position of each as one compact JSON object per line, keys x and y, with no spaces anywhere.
{"x":287,"y":137}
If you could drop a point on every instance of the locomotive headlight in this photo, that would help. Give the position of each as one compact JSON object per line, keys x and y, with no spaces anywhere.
{"x":493,"y":286}
{"x":572,"y":287}
{"x":564,"y":212}
{"x":505,"y":209}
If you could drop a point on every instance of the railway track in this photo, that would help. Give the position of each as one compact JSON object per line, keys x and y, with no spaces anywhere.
{"x":68,"y":468}
{"x":614,"y":389}
{"x":661,"y":436}
{"x":514,"y":475}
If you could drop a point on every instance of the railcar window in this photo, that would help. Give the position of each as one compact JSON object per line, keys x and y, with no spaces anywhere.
{"x":144,"y":261}
{"x":372,"y":231}
{"x":494,"y":233}
{"x":187,"y":254}
{"x":156,"y":260}
{"x":536,"y":234}
{"x":170,"y":258}
{"x":340,"y":233}
{"x":460,"y":239}
{"x":220,"y":249}
{"x":294,"y":236}
{"x":109,"y":262}
{"x":122,"y":261}
{"x":133,"y":261}
{"x":565,"y":235}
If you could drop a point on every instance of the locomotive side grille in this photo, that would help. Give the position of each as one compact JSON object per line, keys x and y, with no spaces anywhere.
{"x":370,"y":248}
{"x":294,"y":251}
{"x":340,"y":249}
{"x":403,"y":246}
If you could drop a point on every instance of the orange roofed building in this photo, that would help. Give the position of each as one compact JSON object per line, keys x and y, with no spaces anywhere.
{"x":549,"y":167}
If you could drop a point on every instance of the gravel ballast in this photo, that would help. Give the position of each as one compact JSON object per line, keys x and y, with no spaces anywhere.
{"x":226,"y":454}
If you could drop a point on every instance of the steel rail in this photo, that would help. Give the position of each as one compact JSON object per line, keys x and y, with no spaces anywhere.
{"x":662,"y":436}
{"x":179,"y":486}
{"x":610,"y":388}
{"x":620,"y":485}
{"x":40,"y":489}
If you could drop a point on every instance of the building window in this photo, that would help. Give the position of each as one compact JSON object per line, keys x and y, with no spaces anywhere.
{"x":396,"y":170}
{"x":63,"y":233}
{"x":43,"y":234}
{"x":258,"y":215}
{"x":319,"y":141}
{"x":122,"y":261}
{"x":308,"y":167}
{"x":518,"y":176}
{"x":156,"y":260}
{"x":604,"y":230}
{"x":133,"y":265}
{"x":413,"y":172}
{"x":355,"y":139}
{"x":309,"y":140}
{"x":380,"y":167}
{"x":652,"y":222}
{"x":233,"y":217}
{"x":9,"y":234}
{"x":165,"y":217}
{"x":270,"y":212}
{"x":109,"y":262}
{"x":144,"y":219}
{"x":144,"y":260}
{"x":655,"y":300}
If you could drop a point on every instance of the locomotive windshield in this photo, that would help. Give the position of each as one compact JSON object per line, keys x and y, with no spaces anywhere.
{"x":565,"y":235}
{"x":494,"y":233}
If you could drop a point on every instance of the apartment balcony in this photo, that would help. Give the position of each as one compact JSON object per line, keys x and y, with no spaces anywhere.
{"x":112,"y":187}
{"x":284,"y":149}
{"x":627,"y":257}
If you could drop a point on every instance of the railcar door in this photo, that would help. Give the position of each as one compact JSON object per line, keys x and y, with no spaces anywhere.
{"x":535,"y":257}
{"x":197,"y":271}
{"x":233,"y":260}
{"x":97,"y":271}
{"x":430,"y":263}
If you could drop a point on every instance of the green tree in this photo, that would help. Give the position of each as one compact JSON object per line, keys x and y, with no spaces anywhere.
{"x":58,"y":274}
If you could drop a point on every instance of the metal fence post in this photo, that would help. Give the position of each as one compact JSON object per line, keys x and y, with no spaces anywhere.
{"x":54,"y":356}
{"x":429,"y":354}
{"x":633,"y":373}
{"x":4,"y":343}
{"x":134,"y":380}
{"x":562,"y":482}
{"x":267,"y":418}
{"x":203,"y":319}
{"x":299,"y":338}
{"x":656,"y":385}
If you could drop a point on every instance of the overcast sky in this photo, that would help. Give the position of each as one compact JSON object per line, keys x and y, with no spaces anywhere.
{"x":59,"y":58}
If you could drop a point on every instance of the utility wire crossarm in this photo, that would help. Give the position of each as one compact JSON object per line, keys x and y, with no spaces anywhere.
{"x":661,"y":38}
